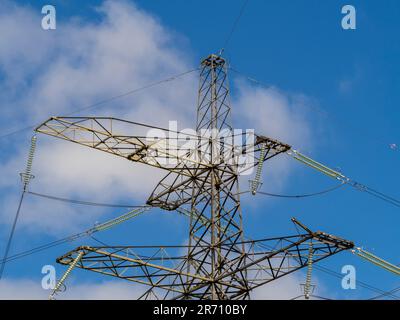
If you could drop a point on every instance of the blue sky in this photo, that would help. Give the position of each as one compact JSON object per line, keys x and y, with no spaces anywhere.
{"x":342,"y":85}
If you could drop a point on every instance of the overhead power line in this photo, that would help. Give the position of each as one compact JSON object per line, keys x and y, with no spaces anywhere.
{"x":332,"y":173}
{"x":234,"y":26}
{"x":392,"y":146}
{"x":251,"y":79}
{"x":358,"y":282}
{"x":26,"y":177}
{"x":6,"y":135}
{"x":207,"y":232}
{"x":379,"y":195}
{"x":115,"y":205}
{"x":113,"y":98}
{"x":297,"y":196}
{"x":81,"y":202}
{"x":340,"y":276}
{"x":385,"y":294}
{"x":368,"y":256}
{"x":312,"y":296}
{"x":341,"y":177}
{"x":89,"y":232}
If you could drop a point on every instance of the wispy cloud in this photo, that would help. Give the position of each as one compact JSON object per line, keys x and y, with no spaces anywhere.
{"x":82,"y":62}
{"x":86,"y":62}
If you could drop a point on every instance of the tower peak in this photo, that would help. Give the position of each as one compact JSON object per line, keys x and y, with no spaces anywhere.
{"x":213,"y":60}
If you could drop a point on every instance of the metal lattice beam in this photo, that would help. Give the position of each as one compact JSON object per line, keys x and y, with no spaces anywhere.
{"x":160,"y":267}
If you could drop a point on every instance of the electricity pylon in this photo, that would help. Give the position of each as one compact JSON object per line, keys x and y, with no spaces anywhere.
{"x":202,"y":183}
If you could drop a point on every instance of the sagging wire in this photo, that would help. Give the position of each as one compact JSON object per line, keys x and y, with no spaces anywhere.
{"x":26,"y":177}
{"x":87,"y":233}
{"x":339,"y":176}
{"x":81,"y":202}
{"x":256,"y":183}
{"x":306,"y":195}
{"x":296,"y":196}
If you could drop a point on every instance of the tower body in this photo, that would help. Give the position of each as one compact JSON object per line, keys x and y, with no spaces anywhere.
{"x":202,"y":183}
{"x":216,"y":218}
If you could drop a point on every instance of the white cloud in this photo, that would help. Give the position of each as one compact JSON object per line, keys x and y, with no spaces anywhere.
{"x":88,"y":61}
{"x":289,"y":287}
{"x":282,"y":289}
{"x":26,"y":289}
{"x":273,"y":113}
{"x":83,"y":62}
{"x":277,"y":115}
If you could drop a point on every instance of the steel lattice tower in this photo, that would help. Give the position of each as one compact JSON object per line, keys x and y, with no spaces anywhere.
{"x":216,"y":218}
{"x":202,"y":184}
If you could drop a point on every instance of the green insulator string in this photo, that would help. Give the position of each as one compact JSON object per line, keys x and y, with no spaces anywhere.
{"x":256,"y":183}
{"x":27,"y":176}
{"x":307,"y":286}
